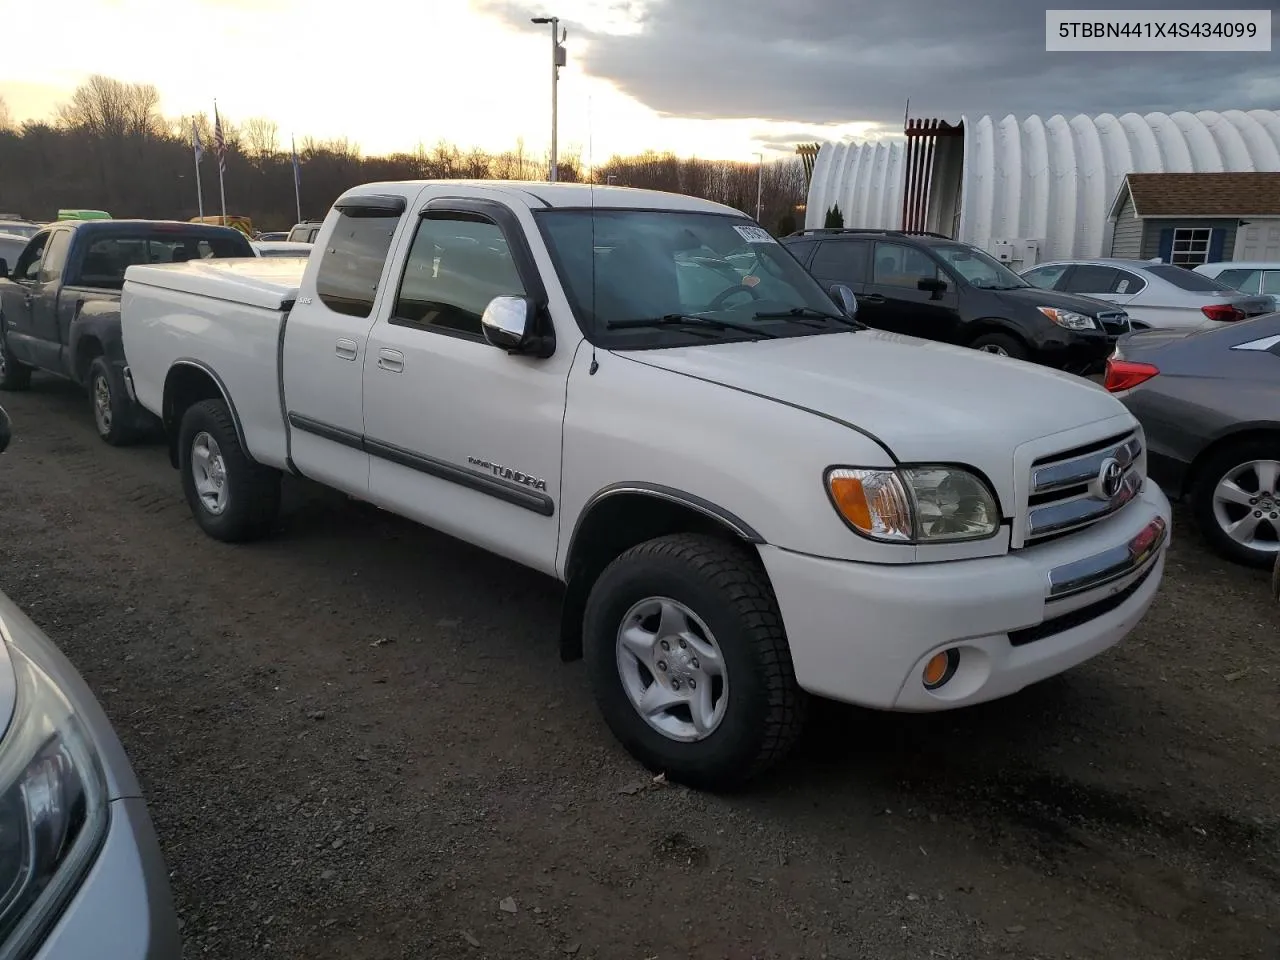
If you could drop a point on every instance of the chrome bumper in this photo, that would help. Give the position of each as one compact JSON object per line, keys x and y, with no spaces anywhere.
{"x":1109,"y":566}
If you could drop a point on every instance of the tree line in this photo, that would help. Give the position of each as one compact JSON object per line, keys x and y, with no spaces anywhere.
{"x":110,"y":148}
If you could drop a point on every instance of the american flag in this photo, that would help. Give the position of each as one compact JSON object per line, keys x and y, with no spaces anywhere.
{"x":219,"y":141}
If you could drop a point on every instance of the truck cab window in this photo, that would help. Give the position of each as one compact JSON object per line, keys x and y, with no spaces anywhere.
{"x":351,"y":263}
{"x":28,"y":266}
{"x":55,"y":256}
{"x":457,"y":264}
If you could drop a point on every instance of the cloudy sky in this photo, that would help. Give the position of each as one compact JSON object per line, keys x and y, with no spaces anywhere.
{"x":715,"y":78}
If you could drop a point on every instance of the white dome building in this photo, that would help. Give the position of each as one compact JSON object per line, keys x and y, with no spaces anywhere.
{"x":1030,"y":189}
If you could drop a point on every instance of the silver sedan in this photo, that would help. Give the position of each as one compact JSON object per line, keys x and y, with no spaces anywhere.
{"x":1155,"y":295}
{"x":81,"y":872}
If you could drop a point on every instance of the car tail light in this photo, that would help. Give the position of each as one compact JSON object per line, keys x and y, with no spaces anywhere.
{"x":1127,"y":374}
{"x":1224,"y":312}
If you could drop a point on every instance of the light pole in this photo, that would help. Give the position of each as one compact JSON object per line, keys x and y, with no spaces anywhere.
{"x":759,"y":183}
{"x":557,"y":61}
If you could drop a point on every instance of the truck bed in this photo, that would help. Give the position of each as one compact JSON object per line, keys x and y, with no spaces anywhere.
{"x":222,"y":315}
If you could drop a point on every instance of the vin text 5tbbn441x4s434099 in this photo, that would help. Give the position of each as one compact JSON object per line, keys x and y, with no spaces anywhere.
{"x":749,"y":496}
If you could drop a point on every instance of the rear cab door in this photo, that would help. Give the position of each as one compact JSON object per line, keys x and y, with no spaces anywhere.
{"x":463,"y":436}
{"x":18,"y":301}
{"x":326,"y":333}
{"x":895,"y":296}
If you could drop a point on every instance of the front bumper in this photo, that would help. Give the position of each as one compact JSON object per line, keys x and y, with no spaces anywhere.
{"x":124,"y":908}
{"x":862,"y":633}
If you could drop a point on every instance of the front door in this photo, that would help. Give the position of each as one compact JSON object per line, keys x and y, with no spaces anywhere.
{"x":48,"y":344}
{"x":324,"y":347}
{"x":896,"y":298}
{"x":463,"y":436}
{"x":19,"y":301}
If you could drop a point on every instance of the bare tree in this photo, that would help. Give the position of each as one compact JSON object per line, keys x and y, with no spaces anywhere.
{"x":6,"y":116}
{"x":261,"y":137}
{"x":112,"y":109}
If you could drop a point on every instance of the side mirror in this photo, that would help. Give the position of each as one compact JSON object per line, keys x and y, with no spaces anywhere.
{"x":510,"y":323}
{"x":933,"y":286}
{"x":4,"y":269}
{"x":6,"y":430}
{"x":843,"y":298}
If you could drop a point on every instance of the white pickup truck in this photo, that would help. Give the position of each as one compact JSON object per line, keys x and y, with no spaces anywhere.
{"x":749,"y":496}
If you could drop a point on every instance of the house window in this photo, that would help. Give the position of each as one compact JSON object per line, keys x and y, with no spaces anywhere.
{"x":1190,"y":246}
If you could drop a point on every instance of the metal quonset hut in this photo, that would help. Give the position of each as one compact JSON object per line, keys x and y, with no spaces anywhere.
{"x":1030,"y":189}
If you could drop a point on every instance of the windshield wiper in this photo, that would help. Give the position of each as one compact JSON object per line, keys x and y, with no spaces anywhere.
{"x":796,"y":313}
{"x":687,"y":319}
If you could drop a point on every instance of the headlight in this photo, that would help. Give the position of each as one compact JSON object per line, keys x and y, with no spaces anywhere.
{"x":921,"y":504}
{"x":53,"y":808}
{"x":1069,"y":318}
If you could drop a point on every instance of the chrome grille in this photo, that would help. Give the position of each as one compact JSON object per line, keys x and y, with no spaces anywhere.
{"x":1069,"y":492}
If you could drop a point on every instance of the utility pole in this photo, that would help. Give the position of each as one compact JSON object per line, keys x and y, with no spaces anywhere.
{"x":759,"y":184}
{"x":557,"y":61}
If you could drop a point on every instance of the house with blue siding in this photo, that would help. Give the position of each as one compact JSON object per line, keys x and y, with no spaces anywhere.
{"x":1193,"y":218}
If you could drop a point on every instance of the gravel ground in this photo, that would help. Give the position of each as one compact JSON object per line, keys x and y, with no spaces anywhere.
{"x":357,"y":741}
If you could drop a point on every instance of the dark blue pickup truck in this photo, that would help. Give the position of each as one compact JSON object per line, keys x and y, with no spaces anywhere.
{"x":60,"y":305}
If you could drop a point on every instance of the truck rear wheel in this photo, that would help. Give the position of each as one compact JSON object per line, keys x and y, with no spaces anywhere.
{"x":689,"y":661}
{"x":231,"y":497}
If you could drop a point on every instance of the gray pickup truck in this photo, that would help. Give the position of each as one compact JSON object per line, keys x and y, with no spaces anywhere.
{"x":60,"y":305}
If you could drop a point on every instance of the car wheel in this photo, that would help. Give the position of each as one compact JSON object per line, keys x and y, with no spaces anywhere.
{"x":689,"y":661}
{"x":1236,"y":501}
{"x":110,"y":403}
{"x":1002,"y":345}
{"x":13,"y":375}
{"x":232,"y":497}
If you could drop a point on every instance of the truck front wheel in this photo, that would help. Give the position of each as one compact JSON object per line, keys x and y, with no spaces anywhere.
{"x":689,"y":662}
{"x":231,"y":497}
{"x":13,"y":375}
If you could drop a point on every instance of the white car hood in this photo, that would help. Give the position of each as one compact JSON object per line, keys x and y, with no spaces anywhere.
{"x":927,"y":402}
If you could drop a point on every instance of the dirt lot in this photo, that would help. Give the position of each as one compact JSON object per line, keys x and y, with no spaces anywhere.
{"x":357,"y":739}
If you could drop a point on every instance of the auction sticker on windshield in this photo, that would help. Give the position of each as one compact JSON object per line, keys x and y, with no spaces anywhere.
{"x":755,"y":234}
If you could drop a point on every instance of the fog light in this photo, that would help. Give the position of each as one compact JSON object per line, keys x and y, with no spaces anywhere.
{"x":940,"y":668}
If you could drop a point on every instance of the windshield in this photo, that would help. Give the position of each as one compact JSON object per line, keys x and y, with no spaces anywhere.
{"x":979,"y":268}
{"x":726,"y":275}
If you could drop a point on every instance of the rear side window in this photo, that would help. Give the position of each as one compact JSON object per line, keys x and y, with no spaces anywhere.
{"x":843,"y":260}
{"x":1185,"y":279}
{"x":1088,"y":278}
{"x":1271,"y":282}
{"x":1127,"y":283}
{"x":800,"y":249}
{"x":352,"y":261}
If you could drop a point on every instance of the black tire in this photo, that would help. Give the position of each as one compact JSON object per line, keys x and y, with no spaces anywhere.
{"x":115,"y":418}
{"x":253,"y":491}
{"x":1002,"y":343}
{"x":13,"y":374}
{"x":1208,"y":475}
{"x":726,"y":587}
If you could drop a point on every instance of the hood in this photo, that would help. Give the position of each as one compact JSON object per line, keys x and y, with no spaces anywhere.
{"x":927,"y":402}
{"x":1032,"y":297}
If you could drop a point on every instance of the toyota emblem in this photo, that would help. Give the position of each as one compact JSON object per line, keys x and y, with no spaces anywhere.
{"x":1110,"y":478}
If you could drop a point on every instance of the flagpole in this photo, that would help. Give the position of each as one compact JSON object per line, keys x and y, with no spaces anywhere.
{"x":222,"y":189}
{"x":297,"y":190}
{"x":197,"y":152}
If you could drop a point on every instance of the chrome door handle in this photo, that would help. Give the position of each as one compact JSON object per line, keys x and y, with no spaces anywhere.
{"x":391,"y":360}
{"x":346,"y":349}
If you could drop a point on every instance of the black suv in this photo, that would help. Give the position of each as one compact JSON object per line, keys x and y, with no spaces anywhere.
{"x":930,"y":286}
